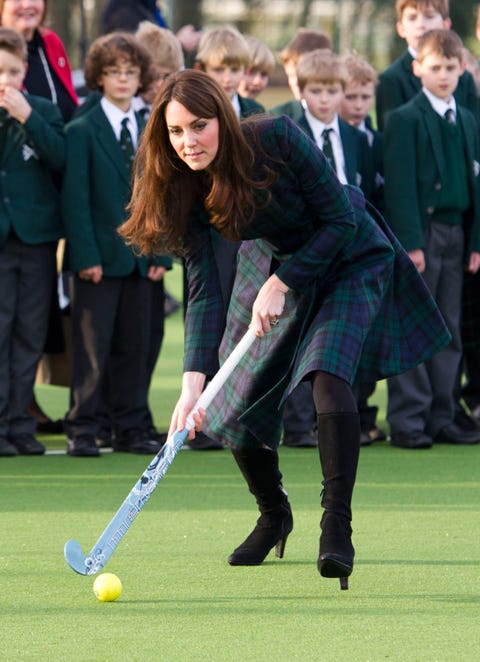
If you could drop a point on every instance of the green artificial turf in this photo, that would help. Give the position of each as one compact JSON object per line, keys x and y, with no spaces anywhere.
{"x":414,"y":593}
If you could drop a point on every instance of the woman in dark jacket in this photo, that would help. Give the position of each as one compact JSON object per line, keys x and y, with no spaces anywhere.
{"x":49,"y":74}
{"x":315,"y":258}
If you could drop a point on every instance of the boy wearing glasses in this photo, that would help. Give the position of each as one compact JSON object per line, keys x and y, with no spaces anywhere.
{"x":112,"y":287}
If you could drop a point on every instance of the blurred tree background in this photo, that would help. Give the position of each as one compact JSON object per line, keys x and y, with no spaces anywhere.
{"x":368,"y":26}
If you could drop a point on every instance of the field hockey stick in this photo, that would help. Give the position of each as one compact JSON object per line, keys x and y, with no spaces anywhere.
{"x":143,"y":488}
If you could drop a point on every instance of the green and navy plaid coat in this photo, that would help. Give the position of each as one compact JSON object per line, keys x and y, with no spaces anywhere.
{"x":356,"y":304}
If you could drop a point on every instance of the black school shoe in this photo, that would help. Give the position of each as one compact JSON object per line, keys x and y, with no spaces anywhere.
{"x":300,"y":440}
{"x":453,"y":434}
{"x":413,"y":440}
{"x":26,"y":444}
{"x":153,"y":434}
{"x":6,"y":448}
{"x":83,"y":446}
{"x":203,"y":442}
{"x":136,"y":441}
{"x":104,"y":438}
{"x":464,"y":421}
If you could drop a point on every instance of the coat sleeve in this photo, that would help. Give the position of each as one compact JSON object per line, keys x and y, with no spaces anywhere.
{"x":83,"y":249}
{"x":473,"y":225}
{"x":44,"y":128}
{"x":205,"y":316}
{"x":402,"y":207}
{"x":388,"y":96}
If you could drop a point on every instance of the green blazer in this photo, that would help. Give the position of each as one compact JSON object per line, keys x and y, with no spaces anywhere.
{"x":292,"y":109}
{"x":398,"y":84}
{"x":31,"y":154}
{"x":415,"y":171}
{"x":249,"y":107}
{"x":95,"y":192}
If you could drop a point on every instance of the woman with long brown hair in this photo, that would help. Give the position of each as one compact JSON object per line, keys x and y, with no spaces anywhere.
{"x":320,"y":279}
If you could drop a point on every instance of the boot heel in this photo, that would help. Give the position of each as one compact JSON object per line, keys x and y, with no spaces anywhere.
{"x":344,"y":583}
{"x":280,"y":547}
{"x":260,"y":470}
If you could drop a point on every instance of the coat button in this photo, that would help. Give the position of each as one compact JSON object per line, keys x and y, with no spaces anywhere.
{"x":430,"y":210}
{"x":438,"y":186}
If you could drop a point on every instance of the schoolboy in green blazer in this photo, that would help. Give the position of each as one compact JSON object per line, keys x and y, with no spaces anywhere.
{"x":322,"y":77}
{"x":29,"y":153}
{"x":432,"y":164}
{"x":32,"y":152}
{"x":112,"y":294}
{"x":398,"y":84}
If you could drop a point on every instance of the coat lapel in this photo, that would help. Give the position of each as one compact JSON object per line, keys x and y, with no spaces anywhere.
{"x":411,"y":81}
{"x":472,"y":164}
{"x":349,"y":153}
{"x":303,"y":124}
{"x":15,"y":140}
{"x":432,"y":128}
{"x":108,"y":142}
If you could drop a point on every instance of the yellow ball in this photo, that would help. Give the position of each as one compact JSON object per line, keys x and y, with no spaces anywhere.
{"x":107,"y":587}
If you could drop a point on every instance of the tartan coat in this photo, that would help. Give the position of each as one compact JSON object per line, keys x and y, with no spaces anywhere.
{"x":356,"y":304}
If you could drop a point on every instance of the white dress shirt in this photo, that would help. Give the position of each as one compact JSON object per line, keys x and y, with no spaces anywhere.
{"x":439,"y":105}
{"x":236,"y":105}
{"x":317,"y":128}
{"x":139,"y":105}
{"x":115,"y":117}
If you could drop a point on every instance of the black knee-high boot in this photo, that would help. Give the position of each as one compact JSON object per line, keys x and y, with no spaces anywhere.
{"x":339,"y":445}
{"x":260,"y":469}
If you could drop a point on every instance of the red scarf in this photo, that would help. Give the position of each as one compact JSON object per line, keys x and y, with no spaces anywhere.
{"x":58,"y":60}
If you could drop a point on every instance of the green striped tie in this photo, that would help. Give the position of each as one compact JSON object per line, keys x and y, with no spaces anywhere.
{"x":327,"y":148}
{"x":126,"y":144}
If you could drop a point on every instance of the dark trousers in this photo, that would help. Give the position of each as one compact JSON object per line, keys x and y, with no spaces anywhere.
{"x":156,"y":339}
{"x":471,"y":340}
{"x":423,"y":399}
{"x":111,"y":329}
{"x":26,"y":274}
{"x":368,"y":413}
{"x":299,"y":415}
{"x":105,"y":416}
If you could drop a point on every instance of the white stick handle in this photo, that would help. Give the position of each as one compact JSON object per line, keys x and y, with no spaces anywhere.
{"x":221,"y":376}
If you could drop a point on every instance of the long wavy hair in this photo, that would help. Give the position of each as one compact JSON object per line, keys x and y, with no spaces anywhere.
{"x":164,"y":187}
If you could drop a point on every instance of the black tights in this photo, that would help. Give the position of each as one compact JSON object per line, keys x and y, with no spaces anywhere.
{"x":332,"y":394}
